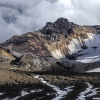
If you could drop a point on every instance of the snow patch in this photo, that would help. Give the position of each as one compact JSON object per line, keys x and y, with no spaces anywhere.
{"x":59,"y":93}
{"x":24,"y":93}
{"x":92,"y":53}
{"x":89,"y":92}
{"x":1,"y":93}
{"x":89,"y":59}
{"x":94,"y":70}
{"x":96,"y":98}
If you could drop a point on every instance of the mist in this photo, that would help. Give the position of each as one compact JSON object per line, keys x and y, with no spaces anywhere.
{"x":20,"y":16}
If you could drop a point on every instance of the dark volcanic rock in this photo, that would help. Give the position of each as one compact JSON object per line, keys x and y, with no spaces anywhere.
{"x":97,"y":27}
{"x":62,"y":26}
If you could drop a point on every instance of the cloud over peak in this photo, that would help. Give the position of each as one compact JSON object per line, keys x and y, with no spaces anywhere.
{"x":21,"y":16}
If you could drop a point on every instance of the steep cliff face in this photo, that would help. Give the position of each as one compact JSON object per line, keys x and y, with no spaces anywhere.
{"x":59,"y":39}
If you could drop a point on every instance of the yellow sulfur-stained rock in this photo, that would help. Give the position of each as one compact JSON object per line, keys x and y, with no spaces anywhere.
{"x":5,"y":56}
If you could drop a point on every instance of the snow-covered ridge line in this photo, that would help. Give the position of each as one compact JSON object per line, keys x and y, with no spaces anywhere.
{"x":59,"y":93}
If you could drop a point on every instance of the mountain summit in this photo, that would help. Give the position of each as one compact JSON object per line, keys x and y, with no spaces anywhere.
{"x":62,"y":25}
{"x":61,"y":39}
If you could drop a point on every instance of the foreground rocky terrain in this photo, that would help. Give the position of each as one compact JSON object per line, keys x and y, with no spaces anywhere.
{"x":25,"y":84}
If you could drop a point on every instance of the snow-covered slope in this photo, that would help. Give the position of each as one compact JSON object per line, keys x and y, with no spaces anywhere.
{"x":92,"y":53}
{"x":91,"y":42}
{"x":89,"y":54}
{"x":94,"y":70}
{"x":88,"y":49}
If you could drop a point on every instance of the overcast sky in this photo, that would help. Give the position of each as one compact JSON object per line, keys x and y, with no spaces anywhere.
{"x":21,"y":16}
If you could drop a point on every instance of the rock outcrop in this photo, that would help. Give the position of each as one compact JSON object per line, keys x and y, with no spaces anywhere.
{"x":36,"y":62}
{"x":5,"y":57}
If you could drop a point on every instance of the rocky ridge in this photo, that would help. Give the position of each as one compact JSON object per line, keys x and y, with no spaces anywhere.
{"x":49,"y":44}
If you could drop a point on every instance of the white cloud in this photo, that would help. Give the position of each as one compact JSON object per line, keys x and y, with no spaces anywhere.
{"x":21,"y":16}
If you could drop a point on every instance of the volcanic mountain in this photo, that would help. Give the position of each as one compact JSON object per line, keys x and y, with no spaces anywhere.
{"x":55,"y":41}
